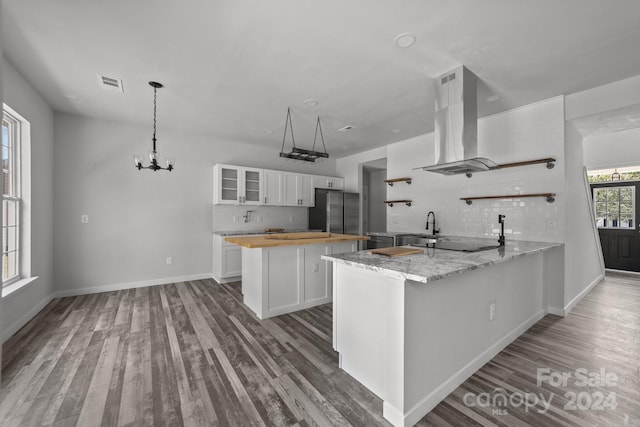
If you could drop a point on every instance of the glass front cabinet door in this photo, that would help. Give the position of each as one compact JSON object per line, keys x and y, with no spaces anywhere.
{"x":236,"y":185}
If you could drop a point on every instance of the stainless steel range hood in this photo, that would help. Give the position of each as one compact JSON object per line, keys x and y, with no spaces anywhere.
{"x":456,"y":125}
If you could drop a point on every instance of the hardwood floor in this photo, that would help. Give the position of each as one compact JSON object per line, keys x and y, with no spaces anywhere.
{"x":192,"y":354}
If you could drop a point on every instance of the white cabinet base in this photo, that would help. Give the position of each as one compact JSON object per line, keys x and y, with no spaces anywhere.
{"x":285,"y":279}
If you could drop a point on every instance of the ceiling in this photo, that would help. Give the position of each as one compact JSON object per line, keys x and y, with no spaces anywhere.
{"x":231,"y":69}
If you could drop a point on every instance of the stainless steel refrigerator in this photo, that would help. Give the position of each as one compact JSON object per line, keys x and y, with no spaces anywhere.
{"x":335,"y":212}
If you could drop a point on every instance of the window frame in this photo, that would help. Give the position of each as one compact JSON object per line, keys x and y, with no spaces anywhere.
{"x":15,"y":124}
{"x":618,"y":186}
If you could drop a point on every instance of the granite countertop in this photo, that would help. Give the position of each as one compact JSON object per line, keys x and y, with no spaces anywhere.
{"x":292,"y":239}
{"x":434,"y":264}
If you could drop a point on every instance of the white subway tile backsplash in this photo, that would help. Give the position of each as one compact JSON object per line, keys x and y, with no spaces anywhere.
{"x":231,"y":217}
{"x":522,"y":134}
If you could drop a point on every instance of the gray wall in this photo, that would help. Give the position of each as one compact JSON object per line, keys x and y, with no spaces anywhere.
{"x":139,"y":218}
{"x":20,"y":306}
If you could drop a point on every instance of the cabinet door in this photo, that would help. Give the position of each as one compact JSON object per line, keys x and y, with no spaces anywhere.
{"x":227,"y":185}
{"x":291,"y":196}
{"x":231,"y":261}
{"x":330,"y":182}
{"x":273,"y":188}
{"x":336,"y":183}
{"x":307,"y":190}
{"x":251,"y":186}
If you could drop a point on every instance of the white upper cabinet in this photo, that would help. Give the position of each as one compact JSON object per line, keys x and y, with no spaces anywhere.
{"x":239,"y":185}
{"x":298,"y":189}
{"x":236,"y":185}
{"x":273,"y":188}
{"x":330,"y":182}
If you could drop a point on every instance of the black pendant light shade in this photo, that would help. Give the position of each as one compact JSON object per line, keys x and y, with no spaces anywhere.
{"x":153,"y":154}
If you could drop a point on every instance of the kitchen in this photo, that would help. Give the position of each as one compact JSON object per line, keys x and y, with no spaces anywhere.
{"x":152,"y":228}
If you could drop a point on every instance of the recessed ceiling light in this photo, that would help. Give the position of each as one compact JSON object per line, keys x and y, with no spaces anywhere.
{"x":269,"y":131}
{"x":492,"y":98}
{"x":72,"y":98}
{"x":311,"y":102}
{"x":395,"y":130}
{"x":405,"y":40}
{"x":346,"y":128}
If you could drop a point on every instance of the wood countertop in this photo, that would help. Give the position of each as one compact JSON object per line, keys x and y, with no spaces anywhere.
{"x":291,"y":239}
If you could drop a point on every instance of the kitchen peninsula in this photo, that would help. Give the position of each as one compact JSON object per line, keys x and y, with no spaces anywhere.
{"x":413,"y":328}
{"x":282,"y":273}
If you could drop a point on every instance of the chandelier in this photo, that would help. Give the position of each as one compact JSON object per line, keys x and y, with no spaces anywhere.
{"x":153,"y":154}
{"x":300,"y":153}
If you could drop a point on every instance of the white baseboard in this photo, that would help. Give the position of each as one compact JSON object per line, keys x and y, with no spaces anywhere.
{"x":423,"y":407}
{"x":556,"y":311}
{"x":9,"y":331}
{"x":130,"y":285}
{"x":227,"y":279}
{"x":576,"y":300}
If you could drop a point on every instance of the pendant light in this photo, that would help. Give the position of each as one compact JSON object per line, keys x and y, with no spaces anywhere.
{"x":300,"y":153}
{"x":153,"y":154}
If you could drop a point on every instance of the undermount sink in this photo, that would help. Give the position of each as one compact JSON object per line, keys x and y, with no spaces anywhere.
{"x":450,"y":244}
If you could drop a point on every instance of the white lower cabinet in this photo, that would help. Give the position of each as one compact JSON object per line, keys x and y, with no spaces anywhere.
{"x":227,"y":260}
{"x":285,"y":279}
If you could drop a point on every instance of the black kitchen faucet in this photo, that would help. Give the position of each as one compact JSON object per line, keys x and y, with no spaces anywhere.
{"x":433,"y":223}
{"x":501,"y":237}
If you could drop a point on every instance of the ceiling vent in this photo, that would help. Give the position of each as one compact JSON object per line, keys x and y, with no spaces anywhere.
{"x":110,"y":83}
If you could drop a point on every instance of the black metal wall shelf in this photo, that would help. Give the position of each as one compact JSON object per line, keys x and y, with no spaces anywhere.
{"x":391,"y":202}
{"x":393,"y":180}
{"x":551,"y":197}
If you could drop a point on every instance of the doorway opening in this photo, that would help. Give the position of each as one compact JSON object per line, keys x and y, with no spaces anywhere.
{"x":374,"y":192}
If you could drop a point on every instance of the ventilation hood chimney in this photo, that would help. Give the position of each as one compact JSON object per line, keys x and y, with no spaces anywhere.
{"x":456,"y":125}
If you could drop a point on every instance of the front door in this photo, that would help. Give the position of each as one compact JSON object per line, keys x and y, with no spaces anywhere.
{"x":617,"y":207}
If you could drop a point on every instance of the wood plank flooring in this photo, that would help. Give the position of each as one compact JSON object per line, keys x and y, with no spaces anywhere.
{"x":192,"y":354}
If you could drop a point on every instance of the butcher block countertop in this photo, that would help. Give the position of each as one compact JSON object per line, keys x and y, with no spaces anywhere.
{"x":291,"y":239}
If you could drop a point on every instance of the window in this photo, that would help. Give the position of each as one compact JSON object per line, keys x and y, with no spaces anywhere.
{"x":10,"y":198}
{"x":614,"y":206}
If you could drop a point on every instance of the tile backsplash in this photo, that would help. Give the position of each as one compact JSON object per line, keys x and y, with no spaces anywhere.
{"x":231,"y":217}
{"x":534,"y":132}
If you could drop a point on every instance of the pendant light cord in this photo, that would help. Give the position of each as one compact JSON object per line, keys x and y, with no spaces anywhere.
{"x":155,"y":96}
{"x":290,"y":124}
{"x":318,"y":126}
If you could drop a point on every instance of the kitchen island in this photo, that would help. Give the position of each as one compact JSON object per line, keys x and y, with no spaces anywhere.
{"x":413,"y":328}
{"x":282,"y":273}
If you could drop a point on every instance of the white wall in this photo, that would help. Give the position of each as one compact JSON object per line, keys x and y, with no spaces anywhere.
{"x":583,"y":256}
{"x":20,"y":306}
{"x":139,"y":218}
{"x":611,"y":150}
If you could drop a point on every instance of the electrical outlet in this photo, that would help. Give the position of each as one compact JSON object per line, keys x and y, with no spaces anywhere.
{"x":291,"y":218}
{"x":84,"y":219}
{"x":235,"y":219}
{"x":492,"y":311}
{"x":169,"y":260}
{"x":316,"y":267}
